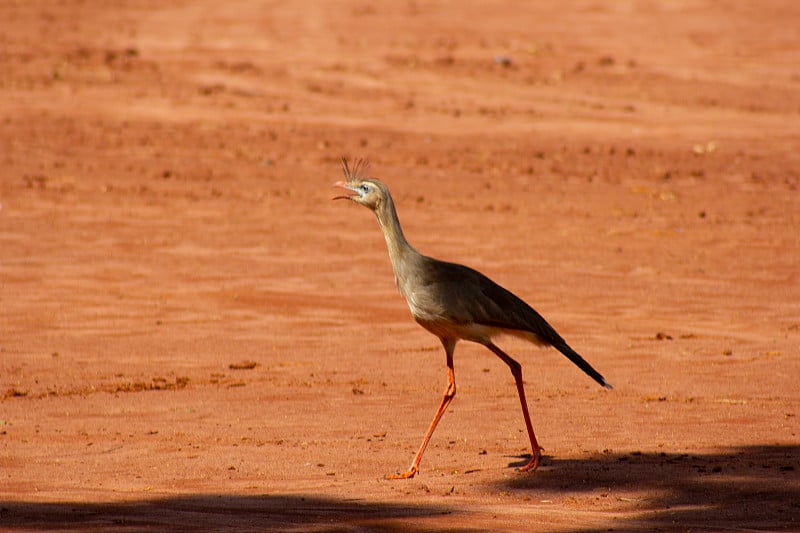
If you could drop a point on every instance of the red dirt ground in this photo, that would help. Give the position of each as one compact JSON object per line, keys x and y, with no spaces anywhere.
{"x":193,"y":337}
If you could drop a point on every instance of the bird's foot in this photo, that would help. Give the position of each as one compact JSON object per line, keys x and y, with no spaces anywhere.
{"x":408,"y":474}
{"x":533,"y":464}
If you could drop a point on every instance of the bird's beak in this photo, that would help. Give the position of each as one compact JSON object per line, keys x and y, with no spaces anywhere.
{"x":344,"y":185}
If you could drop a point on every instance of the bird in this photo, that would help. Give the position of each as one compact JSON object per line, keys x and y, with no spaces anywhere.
{"x":455,"y":302}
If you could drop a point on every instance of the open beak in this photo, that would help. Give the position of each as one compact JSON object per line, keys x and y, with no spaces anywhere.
{"x":344,"y":185}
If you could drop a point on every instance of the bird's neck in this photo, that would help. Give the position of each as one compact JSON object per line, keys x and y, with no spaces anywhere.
{"x":399,"y":249}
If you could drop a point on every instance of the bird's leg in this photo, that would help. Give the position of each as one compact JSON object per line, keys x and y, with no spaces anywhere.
{"x":516,"y":370}
{"x":449,"y":394}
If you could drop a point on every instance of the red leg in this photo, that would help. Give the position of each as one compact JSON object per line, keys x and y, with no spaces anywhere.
{"x":516,"y":371}
{"x":449,"y":394}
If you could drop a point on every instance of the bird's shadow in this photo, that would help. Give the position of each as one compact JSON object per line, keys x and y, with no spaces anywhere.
{"x":755,"y":487}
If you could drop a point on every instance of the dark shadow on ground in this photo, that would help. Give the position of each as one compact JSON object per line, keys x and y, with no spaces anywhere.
{"x":205,"y":513}
{"x":753,"y":488}
{"x":749,"y":488}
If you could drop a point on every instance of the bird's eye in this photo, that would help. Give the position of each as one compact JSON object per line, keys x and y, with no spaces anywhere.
{"x":363,"y":188}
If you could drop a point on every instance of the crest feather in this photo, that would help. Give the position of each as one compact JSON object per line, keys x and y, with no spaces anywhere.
{"x":357,"y":172}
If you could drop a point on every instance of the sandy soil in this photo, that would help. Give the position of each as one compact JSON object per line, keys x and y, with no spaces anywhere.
{"x":193,"y":337}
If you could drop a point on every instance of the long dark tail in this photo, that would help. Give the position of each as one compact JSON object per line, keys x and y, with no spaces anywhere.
{"x":520,"y":316}
{"x":576,"y":358}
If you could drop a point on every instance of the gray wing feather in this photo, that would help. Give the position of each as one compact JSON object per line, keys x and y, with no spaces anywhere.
{"x":464,"y":295}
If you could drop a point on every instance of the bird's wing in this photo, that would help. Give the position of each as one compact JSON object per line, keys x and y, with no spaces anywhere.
{"x":521,"y":316}
{"x":461,"y":295}
{"x":508,"y":311}
{"x":465,"y":296}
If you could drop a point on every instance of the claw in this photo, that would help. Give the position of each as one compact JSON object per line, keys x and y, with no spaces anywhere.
{"x":533,"y":464}
{"x":408,"y":474}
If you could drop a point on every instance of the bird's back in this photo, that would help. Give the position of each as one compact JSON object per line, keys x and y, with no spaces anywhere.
{"x":454,"y":301}
{"x":438,"y":291}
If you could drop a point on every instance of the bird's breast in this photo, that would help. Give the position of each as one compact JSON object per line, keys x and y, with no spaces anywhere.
{"x":451,"y":330}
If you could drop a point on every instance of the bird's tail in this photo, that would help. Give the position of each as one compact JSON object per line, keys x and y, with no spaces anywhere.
{"x":576,"y":358}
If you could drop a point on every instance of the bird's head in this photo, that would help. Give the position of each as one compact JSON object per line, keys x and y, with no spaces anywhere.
{"x":362,"y":190}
